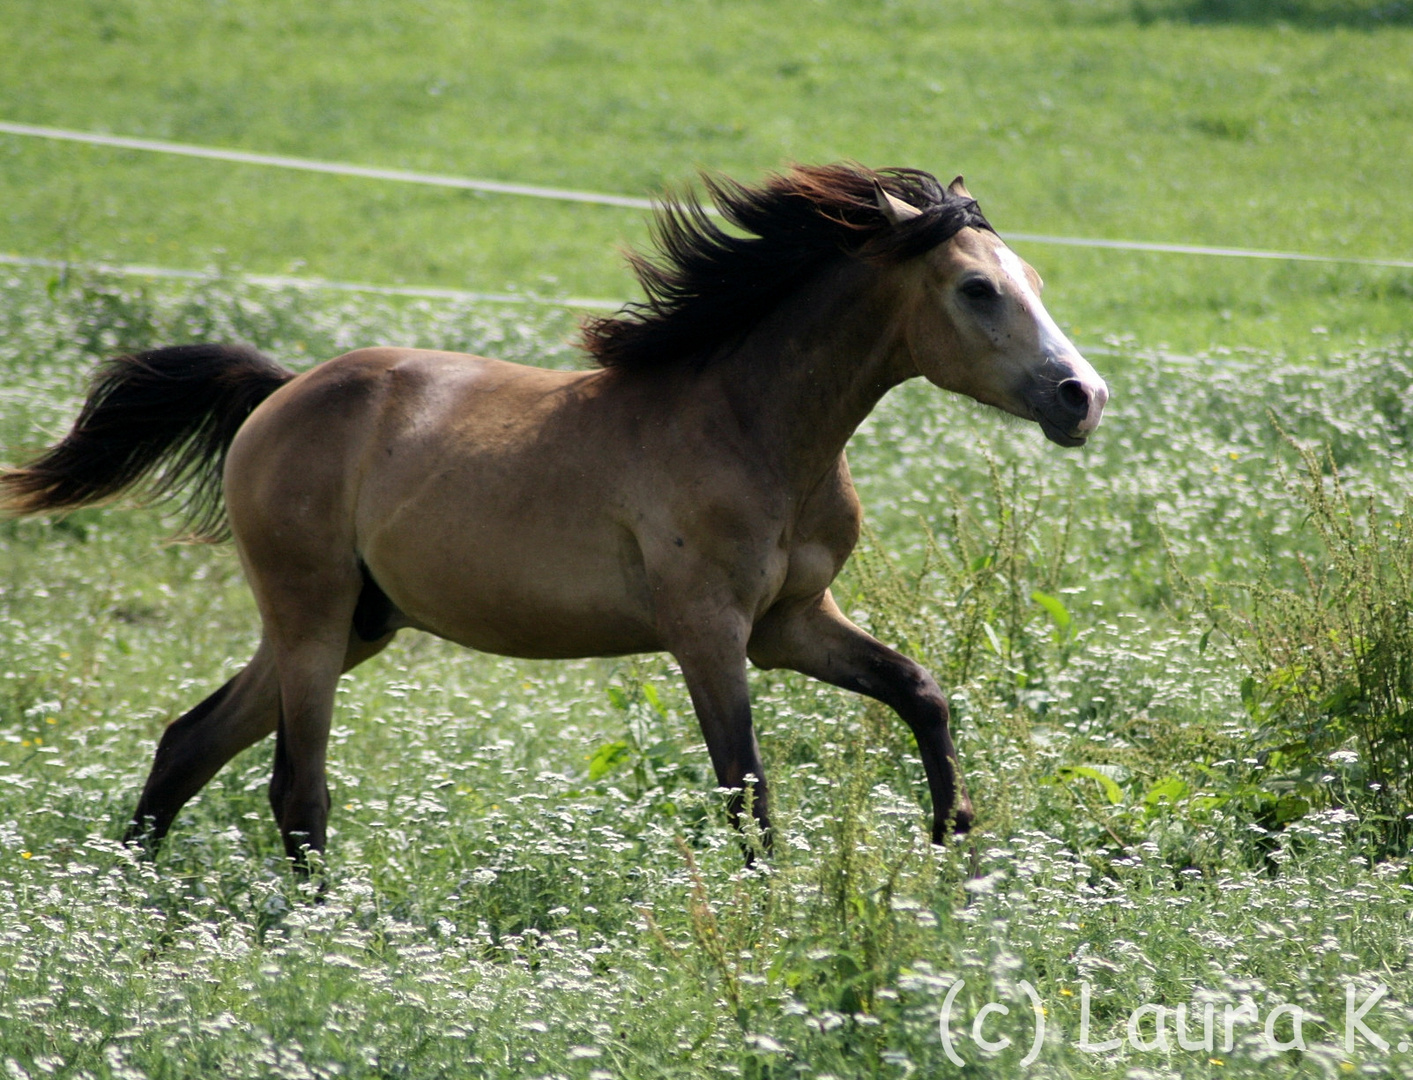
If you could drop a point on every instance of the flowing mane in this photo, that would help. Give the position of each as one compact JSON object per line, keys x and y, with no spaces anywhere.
{"x":706,"y":287}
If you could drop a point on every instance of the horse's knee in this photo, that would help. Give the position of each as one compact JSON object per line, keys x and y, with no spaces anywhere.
{"x":914,"y":694}
{"x":926,"y":691}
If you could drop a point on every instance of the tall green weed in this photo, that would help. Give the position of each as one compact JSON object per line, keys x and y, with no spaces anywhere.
{"x":1330,"y":659}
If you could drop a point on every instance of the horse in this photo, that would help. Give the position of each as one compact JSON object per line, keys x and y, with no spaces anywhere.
{"x":687,"y":494}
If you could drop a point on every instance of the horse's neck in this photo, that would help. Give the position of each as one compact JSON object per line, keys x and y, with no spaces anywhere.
{"x":816,"y":368}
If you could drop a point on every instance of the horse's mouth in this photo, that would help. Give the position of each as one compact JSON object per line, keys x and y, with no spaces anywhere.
{"x":1057,"y":434}
{"x":1069,"y":410}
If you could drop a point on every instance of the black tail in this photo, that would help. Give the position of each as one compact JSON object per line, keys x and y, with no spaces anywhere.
{"x":164,"y":418}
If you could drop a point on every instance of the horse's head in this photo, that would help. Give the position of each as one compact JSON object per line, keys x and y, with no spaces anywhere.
{"x":977,"y":326}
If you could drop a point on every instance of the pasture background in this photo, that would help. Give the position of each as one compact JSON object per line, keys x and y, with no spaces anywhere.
{"x":530,"y":876}
{"x":1164,"y":120}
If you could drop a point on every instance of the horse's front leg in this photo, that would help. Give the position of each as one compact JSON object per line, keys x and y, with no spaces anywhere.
{"x":713,"y":661}
{"x":815,"y":638}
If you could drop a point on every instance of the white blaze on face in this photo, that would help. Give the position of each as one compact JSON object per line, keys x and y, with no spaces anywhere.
{"x":1055,"y":347}
{"x":1053,"y":342}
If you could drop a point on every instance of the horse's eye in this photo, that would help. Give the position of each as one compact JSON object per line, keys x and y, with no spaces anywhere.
{"x":980,"y":290}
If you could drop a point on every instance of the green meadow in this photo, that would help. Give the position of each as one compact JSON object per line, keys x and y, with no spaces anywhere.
{"x":1209,"y":122}
{"x":1178,"y":658}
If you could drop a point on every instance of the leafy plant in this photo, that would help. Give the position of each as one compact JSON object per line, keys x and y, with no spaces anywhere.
{"x":1330,"y":687}
{"x":983,"y":604}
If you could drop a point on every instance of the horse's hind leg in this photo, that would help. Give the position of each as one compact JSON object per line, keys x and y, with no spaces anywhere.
{"x":299,"y":793}
{"x":195,"y":746}
{"x":310,"y":619}
{"x":198,"y":744}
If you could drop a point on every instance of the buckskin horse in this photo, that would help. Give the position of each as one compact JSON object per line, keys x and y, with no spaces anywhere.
{"x":689,"y":494}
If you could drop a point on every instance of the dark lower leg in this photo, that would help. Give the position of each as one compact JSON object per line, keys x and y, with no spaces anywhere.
{"x":299,"y":794}
{"x":302,"y":817}
{"x":820,"y":642}
{"x":722,"y":702}
{"x":744,"y":774}
{"x":909,"y":691}
{"x":195,"y":747}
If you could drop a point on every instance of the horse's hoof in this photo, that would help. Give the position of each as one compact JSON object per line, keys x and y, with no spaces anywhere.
{"x":963,"y":820}
{"x":960,"y":819}
{"x":141,"y":836}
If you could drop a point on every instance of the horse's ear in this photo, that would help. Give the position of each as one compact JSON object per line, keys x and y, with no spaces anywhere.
{"x":958,"y":188}
{"x":894,"y":208}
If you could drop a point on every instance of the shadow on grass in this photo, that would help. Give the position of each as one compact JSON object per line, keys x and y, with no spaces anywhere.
{"x":1306,"y":14}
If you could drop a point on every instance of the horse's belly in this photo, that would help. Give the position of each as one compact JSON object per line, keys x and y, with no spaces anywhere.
{"x":520,"y":597}
{"x":521,"y":626}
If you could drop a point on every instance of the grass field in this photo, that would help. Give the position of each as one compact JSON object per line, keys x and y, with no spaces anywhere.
{"x":529,"y":874}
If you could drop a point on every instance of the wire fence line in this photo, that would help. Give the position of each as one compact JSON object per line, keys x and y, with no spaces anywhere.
{"x":498,"y":187}
{"x":1194,"y":249}
{"x":279,"y":161}
{"x":286,"y":281}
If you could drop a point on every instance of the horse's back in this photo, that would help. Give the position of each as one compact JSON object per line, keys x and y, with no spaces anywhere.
{"x":351,"y":412}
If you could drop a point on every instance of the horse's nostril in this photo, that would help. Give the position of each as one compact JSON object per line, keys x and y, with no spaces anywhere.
{"x":1073,"y":395}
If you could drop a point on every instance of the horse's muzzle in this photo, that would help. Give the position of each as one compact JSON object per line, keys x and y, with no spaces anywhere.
{"x":1071,"y":403}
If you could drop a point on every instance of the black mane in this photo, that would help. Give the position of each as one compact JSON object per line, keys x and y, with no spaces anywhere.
{"x":706,"y":287}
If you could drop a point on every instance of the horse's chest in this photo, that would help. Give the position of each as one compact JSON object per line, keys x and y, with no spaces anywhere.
{"x":809,"y":568}
{"x":817,"y":548}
